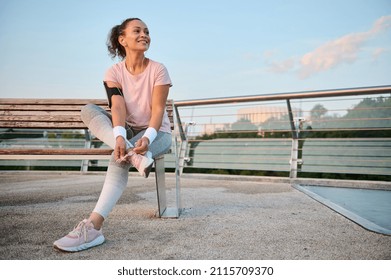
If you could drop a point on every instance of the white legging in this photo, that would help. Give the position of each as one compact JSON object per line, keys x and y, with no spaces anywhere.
{"x":100,"y":124}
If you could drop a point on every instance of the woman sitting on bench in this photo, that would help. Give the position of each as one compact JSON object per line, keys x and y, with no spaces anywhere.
{"x":138,"y":128}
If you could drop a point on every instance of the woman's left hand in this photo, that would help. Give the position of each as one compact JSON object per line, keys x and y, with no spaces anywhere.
{"x":141,"y":146}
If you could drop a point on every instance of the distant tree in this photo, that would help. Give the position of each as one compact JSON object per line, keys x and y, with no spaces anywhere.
{"x":244,"y":124}
{"x":318,"y":112}
{"x":368,"y":114}
{"x":276,"y":127}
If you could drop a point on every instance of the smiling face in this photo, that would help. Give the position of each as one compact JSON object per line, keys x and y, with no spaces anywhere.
{"x":135,"y":37}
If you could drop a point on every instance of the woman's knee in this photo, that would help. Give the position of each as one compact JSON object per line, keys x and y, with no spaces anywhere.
{"x":89,"y":111}
{"x":161,"y":145}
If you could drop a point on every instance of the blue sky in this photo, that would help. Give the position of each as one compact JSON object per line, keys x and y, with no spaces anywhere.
{"x":211,"y":48}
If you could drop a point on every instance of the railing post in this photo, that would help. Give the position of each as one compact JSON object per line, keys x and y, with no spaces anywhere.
{"x":179,"y":157}
{"x":295,"y":143}
{"x":182,"y":159}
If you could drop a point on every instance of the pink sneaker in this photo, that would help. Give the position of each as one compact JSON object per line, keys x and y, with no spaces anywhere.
{"x":82,"y":237}
{"x":143,"y":164}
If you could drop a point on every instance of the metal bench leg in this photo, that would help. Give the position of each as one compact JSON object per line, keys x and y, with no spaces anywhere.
{"x":160,"y":185}
{"x":87,"y":145}
{"x":163,"y":211}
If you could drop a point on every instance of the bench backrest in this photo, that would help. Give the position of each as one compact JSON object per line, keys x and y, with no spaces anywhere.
{"x":50,"y":113}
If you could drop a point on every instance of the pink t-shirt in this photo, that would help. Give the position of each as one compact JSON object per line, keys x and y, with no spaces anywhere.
{"x":137,"y":90}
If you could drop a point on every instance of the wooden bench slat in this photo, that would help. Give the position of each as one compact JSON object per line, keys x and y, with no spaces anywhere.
{"x":43,"y":125}
{"x":41,"y":118}
{"x":49,"y":151}
{"x":48,"y":101}
{"x":42,"y":107}
{"x":39,"y":113}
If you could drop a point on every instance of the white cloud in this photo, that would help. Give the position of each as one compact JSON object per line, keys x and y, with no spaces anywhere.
{"x":268,"y":54}
{"x":378,"y":52}
{"x":283,"y":66}
{"x":382,"y":24}
{"x":329,"y":55}
{"x":333,"y":53}
{"x":250,"y":56}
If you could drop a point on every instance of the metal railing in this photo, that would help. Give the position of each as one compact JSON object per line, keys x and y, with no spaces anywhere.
{"x":342,"y":131}
{"x":347,"y":131}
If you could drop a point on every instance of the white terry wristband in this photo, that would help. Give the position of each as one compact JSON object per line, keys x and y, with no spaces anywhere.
{"x":151,"y":134}
{"x":119,"y":131}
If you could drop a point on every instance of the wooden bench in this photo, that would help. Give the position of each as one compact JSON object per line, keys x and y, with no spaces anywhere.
{"x":59,"y":114}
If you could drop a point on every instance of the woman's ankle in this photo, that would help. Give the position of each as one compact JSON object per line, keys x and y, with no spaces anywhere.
{"x":96,"y":220}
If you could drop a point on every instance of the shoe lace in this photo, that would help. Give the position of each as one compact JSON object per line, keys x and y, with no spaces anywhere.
{"x":127,"y":157}
{"x":80,"y":229}
{"x":136,"y":160}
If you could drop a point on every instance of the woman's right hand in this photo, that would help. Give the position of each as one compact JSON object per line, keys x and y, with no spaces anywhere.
{"x":120,"y":148}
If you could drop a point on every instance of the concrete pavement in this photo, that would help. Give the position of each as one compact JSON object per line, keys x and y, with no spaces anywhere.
{"x":224,"y":217}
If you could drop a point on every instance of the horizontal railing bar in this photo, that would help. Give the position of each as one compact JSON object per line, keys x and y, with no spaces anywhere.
{"x":278,"y":159}
{"x":279,"y":103}
{"x":351,"y":166}
{"x":289,"y":139}
{"x":289,"y":95}
{"x":272,"y":112}
{"x":241,"y":150}
{"x":325,"y":129}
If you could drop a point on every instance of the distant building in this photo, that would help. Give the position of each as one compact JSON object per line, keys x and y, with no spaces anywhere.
{"x":260,"y":114}
{"x":215,"y":127}
{"x":256,"y":115}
